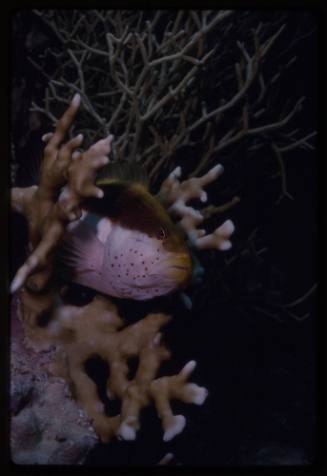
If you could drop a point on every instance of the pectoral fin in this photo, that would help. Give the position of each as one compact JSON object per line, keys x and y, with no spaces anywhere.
{"x":80,"y":252}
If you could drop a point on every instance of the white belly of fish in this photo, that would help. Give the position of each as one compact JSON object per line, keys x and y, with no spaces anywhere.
{"x":116,"y":261}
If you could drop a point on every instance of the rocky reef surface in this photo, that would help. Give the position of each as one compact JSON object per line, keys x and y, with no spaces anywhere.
{"x":46,"y":425}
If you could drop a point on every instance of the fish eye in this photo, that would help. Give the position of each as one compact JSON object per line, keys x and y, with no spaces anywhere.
{"x":161,"y":234}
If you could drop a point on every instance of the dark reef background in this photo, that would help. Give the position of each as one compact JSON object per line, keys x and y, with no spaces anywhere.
{"x":259,"y":363}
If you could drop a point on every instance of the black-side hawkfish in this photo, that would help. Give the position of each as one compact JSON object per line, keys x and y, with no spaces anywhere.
{"x":125,"y":244}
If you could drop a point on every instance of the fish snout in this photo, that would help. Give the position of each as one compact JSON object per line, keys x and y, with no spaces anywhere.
{"x":179,"y":268}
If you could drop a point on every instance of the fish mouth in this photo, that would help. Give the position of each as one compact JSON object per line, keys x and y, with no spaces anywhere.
{"x":178,"y":268}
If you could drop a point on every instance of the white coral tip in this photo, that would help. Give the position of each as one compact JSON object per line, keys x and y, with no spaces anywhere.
{"x":199,"y":394}
{"x":225,"y":245}
{"x":227,"y":228}
{"x":203,"y":196}
{"x":76,"y":100}
{"x":177,"y":172}
{"x":127,"y":432}
{"x":217,"y":170}
{"x":189,"y":367}
{"x":166,"y":459}
{"x":16,"y":284}
{"x":176,"y":428}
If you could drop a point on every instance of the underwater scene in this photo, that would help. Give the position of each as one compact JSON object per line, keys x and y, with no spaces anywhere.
{"x":163,"y":238}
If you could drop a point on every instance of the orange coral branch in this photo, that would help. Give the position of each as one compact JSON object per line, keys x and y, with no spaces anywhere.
{"x":66,"y":179}
{"x":95,"y":329}
{"x":175,"y":195}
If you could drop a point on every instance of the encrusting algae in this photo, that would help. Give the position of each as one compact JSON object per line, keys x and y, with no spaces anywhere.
{"x":96,"y":223}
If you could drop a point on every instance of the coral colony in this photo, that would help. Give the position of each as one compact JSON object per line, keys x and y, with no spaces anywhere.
{"x":68,"y":180}
{"x":92,"y":219}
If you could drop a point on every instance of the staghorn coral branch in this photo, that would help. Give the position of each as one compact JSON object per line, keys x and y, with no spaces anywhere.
{"x":61,"y":174}
{"x":175,"y":195}
{"x":250,"y":75}
{"x":113,"y":54}
{"x":36,"y":108}
{"x":165,"y":460}
{"x":79,"y":69}
{"x":51,"y":25}
{"x":153,"y":79}
{"x":299,"y":142}
{"x":211,"y":210}
{"x":164,"y":389}
{"x":98,"y":329}
{"x":174,"y":91}
{"x":173,"y":192}
{"x":87,"y":103}
{"x":251,"y":71}
{"x":284,"y":192}
{"x":277,"y":125}
{"x":302,"y":298}
{"x":219,"y":239}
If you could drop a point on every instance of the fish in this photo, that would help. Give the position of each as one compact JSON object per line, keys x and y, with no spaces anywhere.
{"x":125,"y":244}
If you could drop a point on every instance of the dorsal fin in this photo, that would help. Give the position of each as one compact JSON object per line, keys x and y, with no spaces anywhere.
{"x":123,"y":172}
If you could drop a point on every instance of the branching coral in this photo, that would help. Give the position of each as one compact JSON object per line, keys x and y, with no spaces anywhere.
{"x":95,"y":329}
{"x":67,"y":178}
{"x":158,"y":89}
{"x":176,"y":194}
{"x":47,"y":214}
